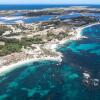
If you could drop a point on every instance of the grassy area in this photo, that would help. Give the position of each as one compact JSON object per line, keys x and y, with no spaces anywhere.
{"x":13,"y":45}
{"x":51,"y":36}
{"x":10,"y":48}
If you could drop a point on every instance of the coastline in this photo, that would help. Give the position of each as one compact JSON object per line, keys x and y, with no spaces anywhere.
{"x":4,"y":69}
{"x":78,"y":35}
{"x":8,"y":68}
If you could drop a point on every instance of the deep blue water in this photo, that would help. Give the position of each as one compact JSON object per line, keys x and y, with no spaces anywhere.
{"x":50,"y":80}
{"x":39,"y":6}
{"x":29,"y":7}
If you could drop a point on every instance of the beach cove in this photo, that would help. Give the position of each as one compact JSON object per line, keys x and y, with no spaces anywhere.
{"x":72,"y":78}
{"x":76,"y":36}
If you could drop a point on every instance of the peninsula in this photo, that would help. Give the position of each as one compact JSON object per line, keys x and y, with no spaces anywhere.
{"x":21,"y":42}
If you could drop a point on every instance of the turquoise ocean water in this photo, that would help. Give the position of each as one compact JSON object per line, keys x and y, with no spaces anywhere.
{"x":50,"y":80}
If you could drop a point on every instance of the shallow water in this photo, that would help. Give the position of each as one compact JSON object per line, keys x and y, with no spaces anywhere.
{"x":19,"y":17}
{"x":50,"y":80}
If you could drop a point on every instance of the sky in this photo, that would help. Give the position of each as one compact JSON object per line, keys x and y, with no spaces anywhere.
{"x":49,"y":1}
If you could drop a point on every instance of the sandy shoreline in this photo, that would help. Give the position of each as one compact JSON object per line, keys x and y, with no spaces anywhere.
{"x":4,"y":69}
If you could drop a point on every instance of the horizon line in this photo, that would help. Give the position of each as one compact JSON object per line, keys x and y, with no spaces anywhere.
{"x":46,"y":4}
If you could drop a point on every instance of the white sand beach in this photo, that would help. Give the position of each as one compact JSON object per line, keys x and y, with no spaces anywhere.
{"x":6,"y":69}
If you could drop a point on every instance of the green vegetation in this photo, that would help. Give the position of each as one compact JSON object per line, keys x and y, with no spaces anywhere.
{"x":10,"y":48}
{"x":60,"y":36}
{"x":40,"y":13}
{"x":3,"y":29}
{"x":83,"y":20}
{"x":13,"y":45}
{"x":29,"y":41}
